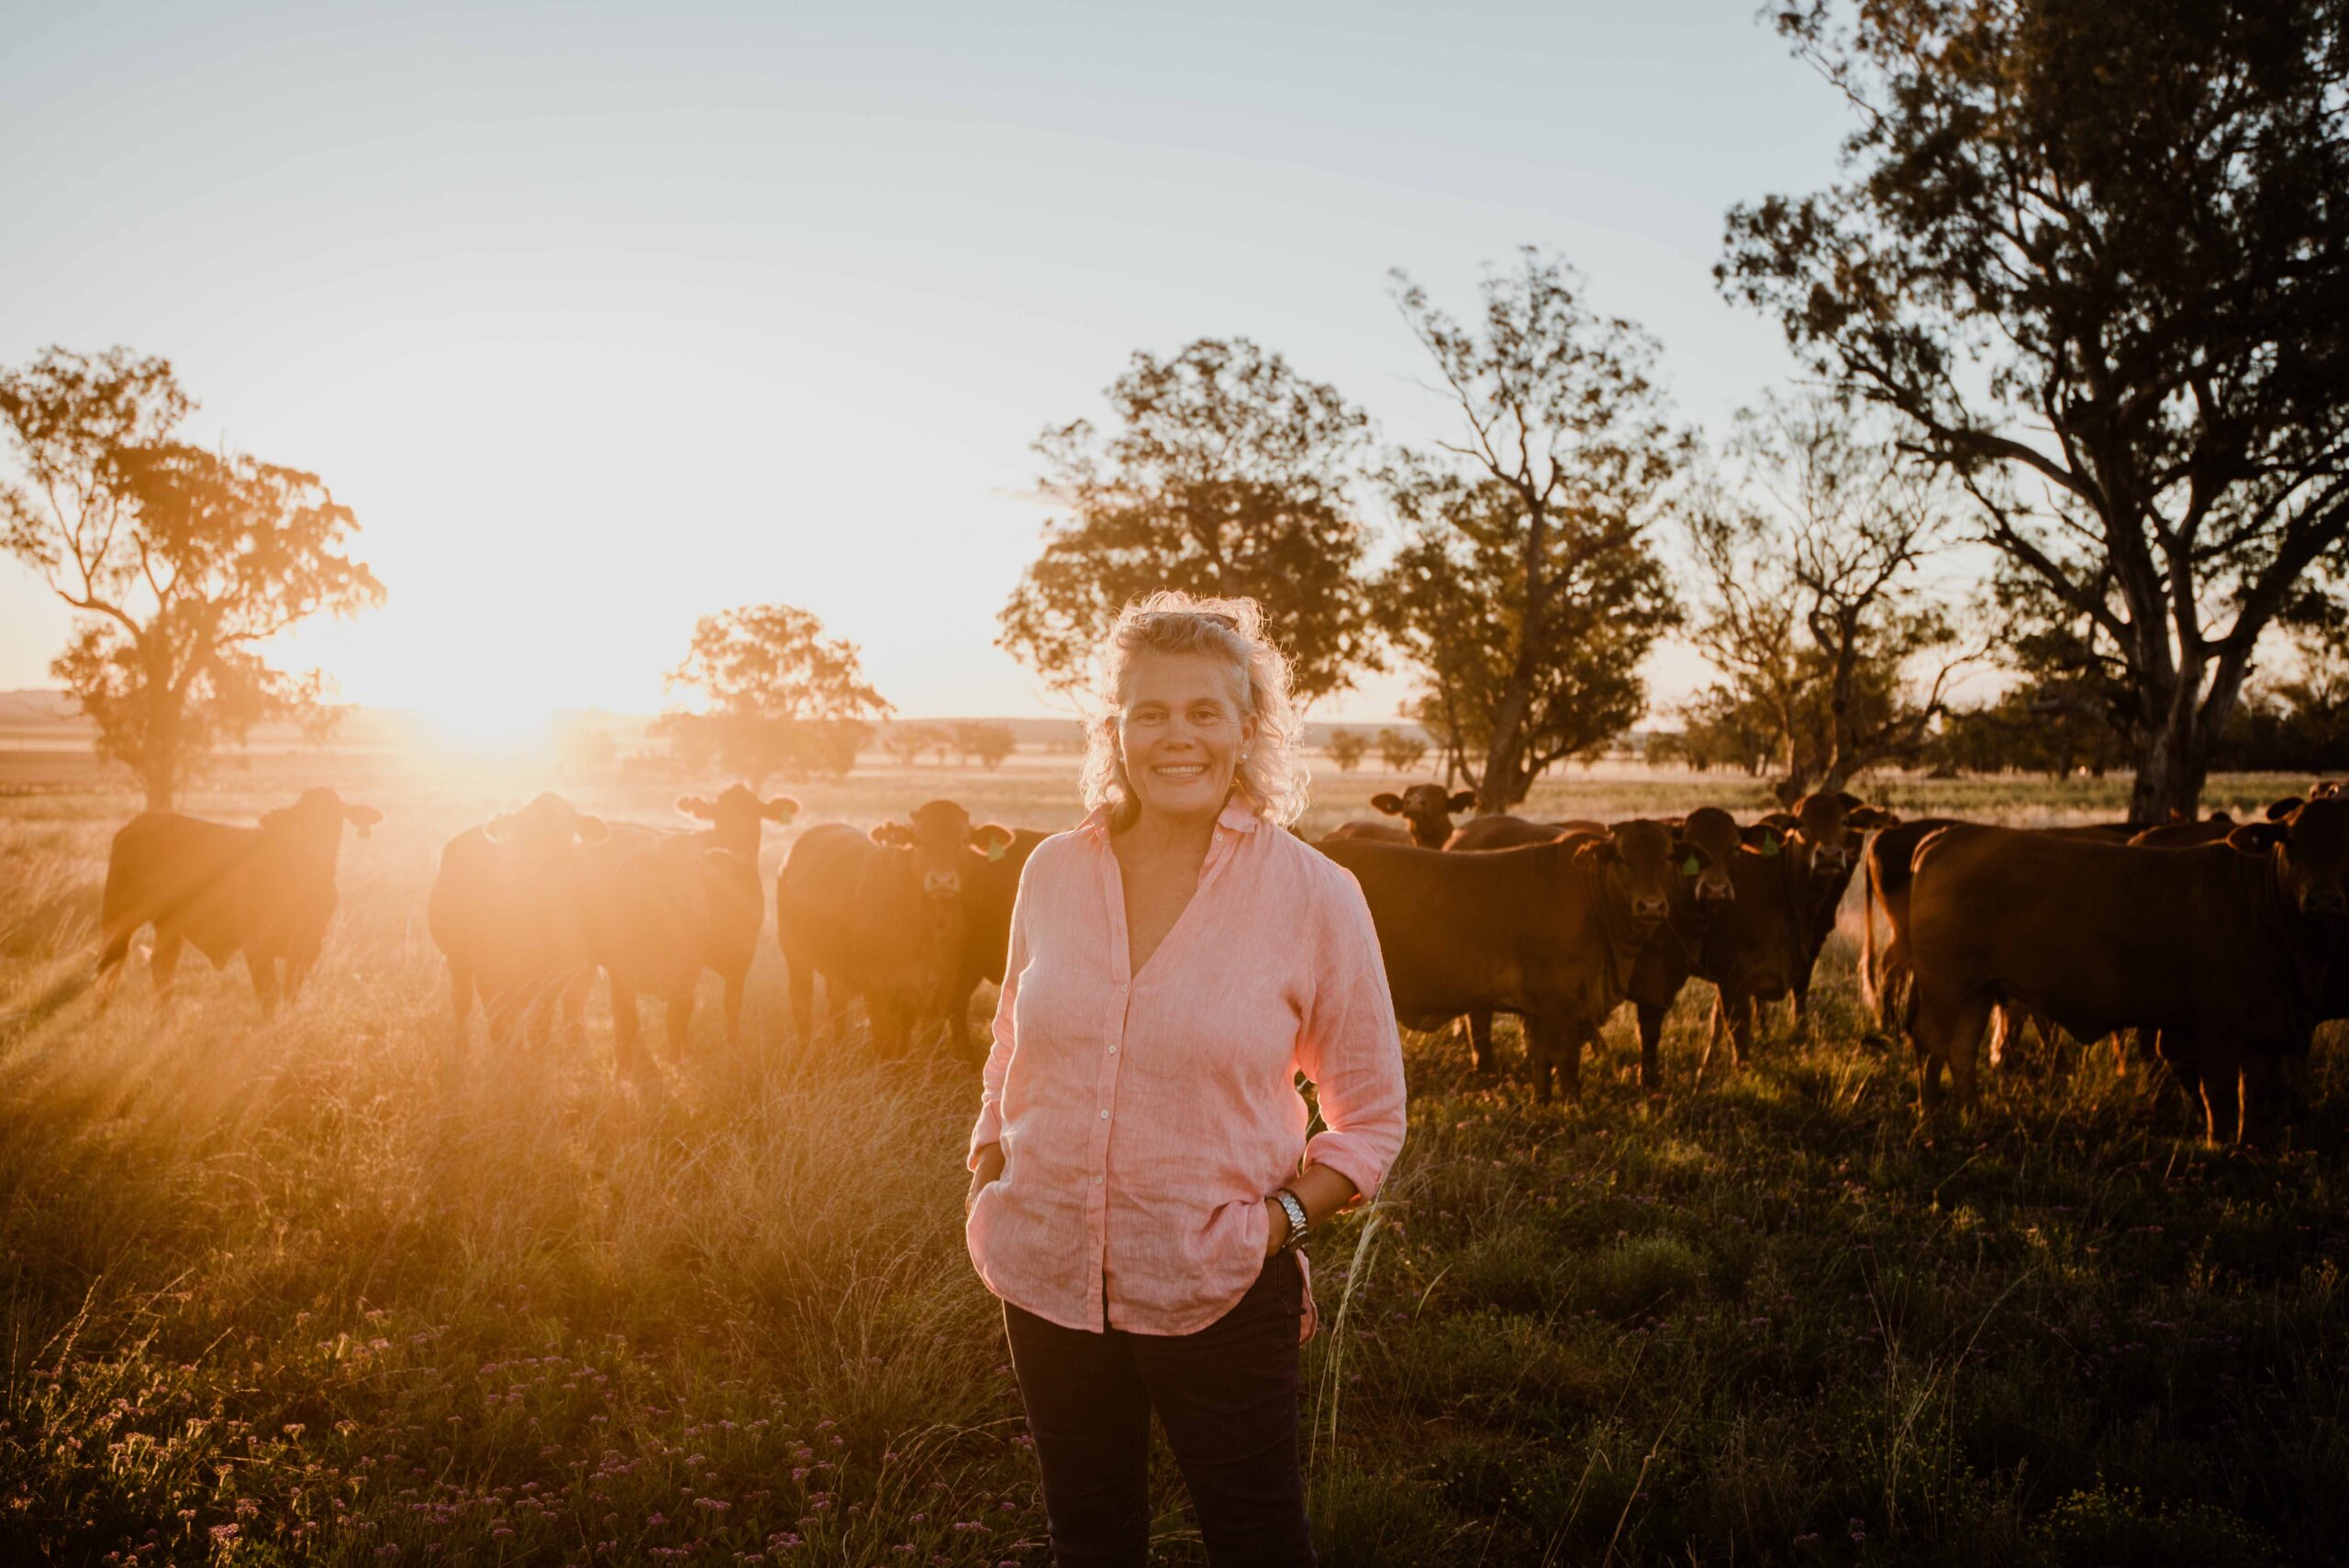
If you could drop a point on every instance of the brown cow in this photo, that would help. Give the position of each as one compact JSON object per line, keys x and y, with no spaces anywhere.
{"x":726,"y":940}
{"x":1665,"y":964}
{"x":1548,"y":931}
{"x":990,"y":888}
{"x":882,"y":915}
{"x":1825,"y":834}
{"x":2226,"y":943}
{"x":1756,"y":947}
{"x":1426,"y":809}
{"x":507,"y":911}
{"x":2185,"y":835}
{"x":266,"y":892}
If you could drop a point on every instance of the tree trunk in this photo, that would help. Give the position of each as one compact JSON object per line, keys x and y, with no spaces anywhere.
{"x":159,"y":763}
{"x":2172,"y":763}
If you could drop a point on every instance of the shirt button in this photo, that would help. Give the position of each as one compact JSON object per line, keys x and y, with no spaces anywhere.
{"x":1113,"y":1051}
{"x":1097,"y":1180}
{"x":1105,"y":1114}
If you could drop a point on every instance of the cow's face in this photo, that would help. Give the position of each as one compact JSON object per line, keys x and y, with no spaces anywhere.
{"x":737,"y":817}
{"x":1828,"y":831}
{"x":938,"y":837}
{"x":548,"y":826}
{"x":1707,"y":842}
{"x":2311,"y":848}
{"x":1427,"y":810}
{"x":1636,"y":867}
{"x":317,"y":820}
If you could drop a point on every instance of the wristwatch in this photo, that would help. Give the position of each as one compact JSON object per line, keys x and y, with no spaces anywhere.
{"x":1295,"y":1209}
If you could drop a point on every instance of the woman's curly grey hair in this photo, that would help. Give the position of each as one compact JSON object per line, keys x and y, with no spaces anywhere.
{"x":1273,"y":779}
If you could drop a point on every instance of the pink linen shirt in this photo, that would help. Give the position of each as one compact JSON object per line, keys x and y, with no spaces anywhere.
{"x":1143,"y":1122}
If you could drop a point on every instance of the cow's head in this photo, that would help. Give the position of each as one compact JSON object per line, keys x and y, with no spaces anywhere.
{"x":2311,"y":849}
{"x":1703,"y":846}
{"x":549,"y":825}
{"x":1427,"y":810}
{"x":1637,"y":868}
{"x":1827,"y":832}
{"x":938,"y":836}
{"x":738,"y":816}
{"x":317,"y":818}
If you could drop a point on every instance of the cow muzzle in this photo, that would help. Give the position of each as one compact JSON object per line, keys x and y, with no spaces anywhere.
{"x":1713,"y":888}
{"x":2329,"y":902}
{"x":1651,"y":911}
{"x":942,"y":884}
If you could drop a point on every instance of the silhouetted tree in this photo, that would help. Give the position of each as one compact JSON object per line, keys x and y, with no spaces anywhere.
{"x":986,"y":740}
{"x":1399,"y":752}
{"x":1227,"y":474}
{"x":1347,"y":747}
{"x":1807,"y":552}
{"x":1526,"y":591}
{"x":2094,"y":255}
{"x":180,"y":564}
{"x":781,"y":697}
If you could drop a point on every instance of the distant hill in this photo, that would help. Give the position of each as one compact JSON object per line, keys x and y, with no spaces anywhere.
{"x":38,"y":706}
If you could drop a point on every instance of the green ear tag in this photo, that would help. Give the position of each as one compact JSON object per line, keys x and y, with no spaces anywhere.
{"x":995,"y":849}
{"x":1689,"y":867}
{"x":1769,"y":845}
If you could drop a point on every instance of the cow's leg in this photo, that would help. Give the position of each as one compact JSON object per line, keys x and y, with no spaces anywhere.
{"x":164,"y":965}
{"x":679,"y":1016}
{"x":799,"y":990}
{"x":837,"y":994}
{"x":1480,"y":1040}
{"x":1713,"y":1028}
{"x":733,"y":1003}
{"x":264,"y":970}
{"x":1651,"y":1040}
{"x":627,"y":1033}
{"x":2223,"y":1068}
{"x":2262,"y":1081}
{"x":1949,"y":1032}
{"x":1740,"y":1009}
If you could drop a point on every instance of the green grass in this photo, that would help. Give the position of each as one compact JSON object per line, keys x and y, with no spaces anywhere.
{"x":297,"y":1292}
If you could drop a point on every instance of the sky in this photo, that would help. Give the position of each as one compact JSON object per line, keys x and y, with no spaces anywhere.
{"x":603,"y":318}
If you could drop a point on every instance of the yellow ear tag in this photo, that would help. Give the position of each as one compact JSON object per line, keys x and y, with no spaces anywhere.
{"x":1689,"y":867}
{"x":1769,"y":845}
{"x":995,"y":849}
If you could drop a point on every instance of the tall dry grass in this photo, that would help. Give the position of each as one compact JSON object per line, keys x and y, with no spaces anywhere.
{"x":306,"y":1290}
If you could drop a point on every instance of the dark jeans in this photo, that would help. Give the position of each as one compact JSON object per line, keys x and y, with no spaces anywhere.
{"x":1228,"y":1399}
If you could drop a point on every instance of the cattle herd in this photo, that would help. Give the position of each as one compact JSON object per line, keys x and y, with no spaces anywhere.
{"x":2216,"y":947}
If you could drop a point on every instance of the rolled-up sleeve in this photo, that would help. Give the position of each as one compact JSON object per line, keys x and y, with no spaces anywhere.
{"x":989,"y":1127}
{"x":1349,"y":1046}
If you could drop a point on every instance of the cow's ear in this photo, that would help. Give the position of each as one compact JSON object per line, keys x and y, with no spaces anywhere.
{"x":782,"y":809}
{"x":1868,"y":819}
{"x":2258,"y":838}
{"x":1784,"y":822}
{"x":1848,"y":801}
{"x":1763,"y":837}
{"x":362,"y":817}
{"x":2222,"y":819}
{"x":695,"y":806}
{"x":1462,"y":800}
{"x":992,"y":839}
{"x":892,"y":834}
{"x":2279,"y":809}
{"x":1692,"y":857}
{"x":2329,"y":790}
{"x":1599,"y":853}
{"x":1390,"y":804}
{"x":592,"y":830}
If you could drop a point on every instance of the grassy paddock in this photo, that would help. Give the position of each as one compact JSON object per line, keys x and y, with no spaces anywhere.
{"x":303,"y":1291}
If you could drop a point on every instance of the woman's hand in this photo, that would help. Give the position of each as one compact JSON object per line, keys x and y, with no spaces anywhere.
{"x":1320,"y":1190}
{"x":989,"y":1168}
{"x":1275,"y":1226}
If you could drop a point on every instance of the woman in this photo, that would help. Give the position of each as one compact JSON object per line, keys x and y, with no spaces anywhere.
{"x":1141,"y":1173}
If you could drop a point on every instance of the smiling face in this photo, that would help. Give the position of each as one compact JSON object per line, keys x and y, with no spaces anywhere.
{"x":1181,"y":731}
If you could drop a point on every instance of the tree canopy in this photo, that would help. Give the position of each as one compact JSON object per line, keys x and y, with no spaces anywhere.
{"x":2094,"y":255}
{"x":181,"y":563}
{"x":1527,"y":591}
{"x":1227,"y":474}
{"x":779,"y":696}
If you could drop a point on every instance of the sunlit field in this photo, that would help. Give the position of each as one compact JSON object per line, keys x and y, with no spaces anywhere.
{"x":318,"y":1290}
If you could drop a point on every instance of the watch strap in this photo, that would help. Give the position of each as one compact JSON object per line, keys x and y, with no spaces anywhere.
{"x":1294,"y":1207}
